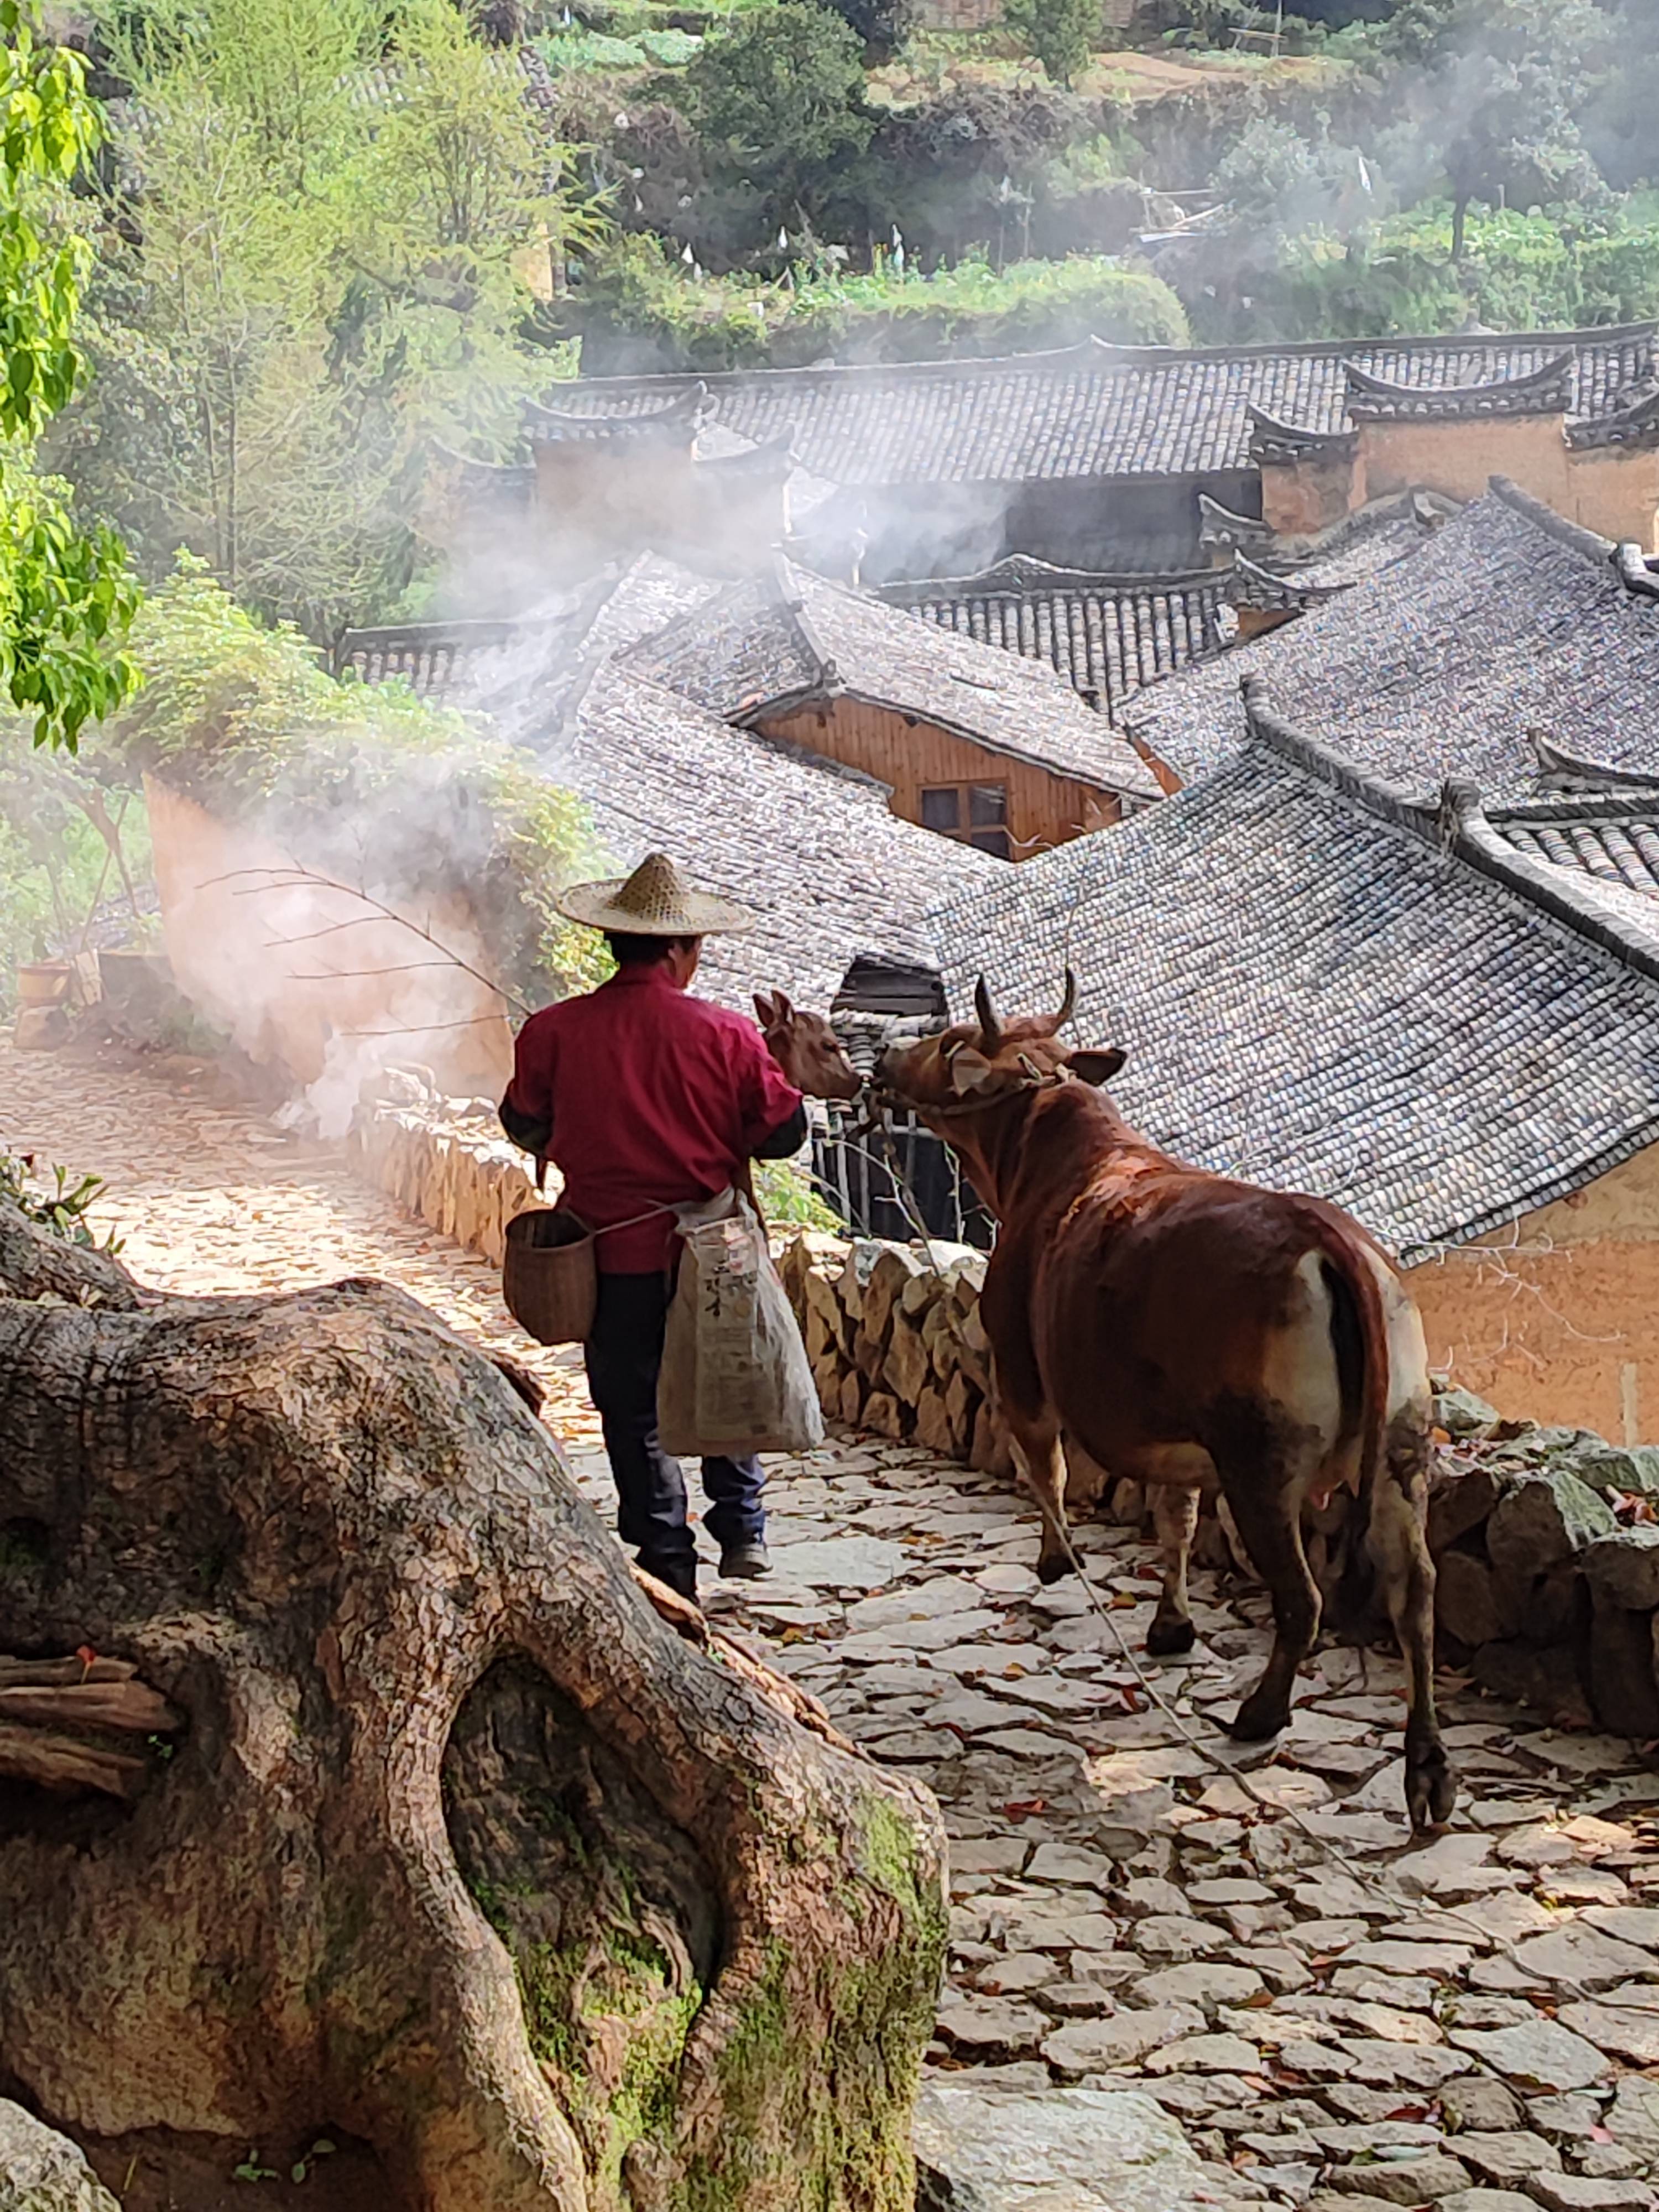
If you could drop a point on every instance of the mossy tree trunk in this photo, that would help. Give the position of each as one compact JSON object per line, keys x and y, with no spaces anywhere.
{"x":462,"y":1847}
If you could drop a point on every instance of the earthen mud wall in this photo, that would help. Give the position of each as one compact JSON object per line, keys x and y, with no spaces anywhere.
{"x":326,"y":1007}
{"x":1557,"y":1318}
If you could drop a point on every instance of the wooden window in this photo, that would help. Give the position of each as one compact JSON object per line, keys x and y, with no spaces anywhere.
{"x":973,"y":813}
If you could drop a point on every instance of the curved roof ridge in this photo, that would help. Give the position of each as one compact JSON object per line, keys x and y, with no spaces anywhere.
{"x":1301,"y":434}
{"x":676,"y":410}
{"x":1587,"y":543}
{"x":1549,"y":372}
{"x":1023,"y":571}
{"x":1635,"y":424}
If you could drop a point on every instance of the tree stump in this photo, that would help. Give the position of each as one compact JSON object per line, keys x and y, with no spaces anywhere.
{"x":446,"y":1837}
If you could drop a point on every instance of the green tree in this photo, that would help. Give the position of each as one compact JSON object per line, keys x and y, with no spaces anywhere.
{"x":65,"y":594}
{"x":1490,"y":93}
{"x":346,"y":214}
{"x":1056,"y":33}
{"x":778,"y":99}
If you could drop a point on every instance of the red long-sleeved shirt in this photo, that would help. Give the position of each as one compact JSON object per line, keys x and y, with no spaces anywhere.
{"x":654,"y":1098}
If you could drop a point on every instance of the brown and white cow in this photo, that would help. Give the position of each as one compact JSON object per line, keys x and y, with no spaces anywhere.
{"x":1193,"y":1333}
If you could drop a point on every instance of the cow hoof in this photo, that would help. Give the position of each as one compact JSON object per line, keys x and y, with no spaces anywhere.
{"x":1167,"y":1639}
{"x":1258,"y":1718}
{"x":1431,"y":1790}
{"x":1054,"y":1568}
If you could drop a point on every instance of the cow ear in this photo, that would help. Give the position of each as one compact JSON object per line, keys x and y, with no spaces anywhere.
{"x":971,"y":1071}
{"x":785,"y":1006}
{"x":765,"y":1009}
{"x":1096,"y":1066}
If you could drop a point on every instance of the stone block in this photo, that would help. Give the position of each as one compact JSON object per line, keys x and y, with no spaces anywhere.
{"x":861,"y":1257}
{"x":976,"y":1354}
{"x":849,"y":1399}
{"x":1090,"y":2150}
{"x":883,"y":1414}
{"x":41,"y":2171}
{"x":1464,"y":1606}
{"x":991,"y":1453}
{"x":906,"y":1370}
{"x":923,"y":1290}
{"x":1460,"y":1503}
{"x":932,"y":1423}
{"x":1460,"y":1413}
{"x":1622,"y":1569}
{"x":1622,"y":1687}
{"x":1612,"y":1467}
{"x":1543,"y":1609}
{"x":894,"y":1267}
{"x":1544,"y":1520}
{"x":1549,"y":1681}
{"x":962,"y":1406}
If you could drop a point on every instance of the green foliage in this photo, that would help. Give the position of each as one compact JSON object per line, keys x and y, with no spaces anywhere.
{"x":58,"y":834}
{"x":1491,"y":94}
{"x":61,"y":1210}
{"x":1056,"y":33}
{"x":1517,"y":272}
{"x":778,"y":99}
{"x":789,"y":1200}
{"x":969,"y":310}
{"x":65,"y":594}
{"x":346,"y":211}
{"x":241,"y":716}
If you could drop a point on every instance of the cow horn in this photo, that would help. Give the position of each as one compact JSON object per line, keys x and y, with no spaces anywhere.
{"x":990,"y":1028}
{"x":1067,"y":1005}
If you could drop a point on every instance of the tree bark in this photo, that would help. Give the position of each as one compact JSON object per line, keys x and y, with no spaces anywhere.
{"x":460,"y":1848}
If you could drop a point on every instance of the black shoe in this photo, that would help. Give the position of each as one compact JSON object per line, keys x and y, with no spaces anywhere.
{"x":743,"y":1563}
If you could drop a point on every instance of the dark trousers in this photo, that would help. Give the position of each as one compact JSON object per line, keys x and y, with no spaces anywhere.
{"x":623,"y":1355}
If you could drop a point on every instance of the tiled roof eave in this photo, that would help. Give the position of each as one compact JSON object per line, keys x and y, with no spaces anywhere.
{"x":1545,"y":1193}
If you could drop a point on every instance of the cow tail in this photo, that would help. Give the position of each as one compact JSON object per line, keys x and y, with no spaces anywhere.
{"x":1359,"y":1334}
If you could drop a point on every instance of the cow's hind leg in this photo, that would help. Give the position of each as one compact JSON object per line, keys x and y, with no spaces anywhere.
{"x":1399,"y":1548}
{"x":1265,"y":1497}
{"x":1036,"y":1440}
{"x":1175,"y":1515}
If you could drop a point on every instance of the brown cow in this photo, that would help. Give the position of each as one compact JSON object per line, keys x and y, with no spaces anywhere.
{"x":806,"y":1048}
{"x":1190,"y":1332}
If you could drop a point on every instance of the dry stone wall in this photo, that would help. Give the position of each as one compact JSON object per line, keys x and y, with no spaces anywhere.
{"x":444,"y":1159}
{"x":1545,"y":1539}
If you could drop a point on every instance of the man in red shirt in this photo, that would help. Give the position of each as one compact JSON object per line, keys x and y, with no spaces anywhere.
{"x":646,"y":1098}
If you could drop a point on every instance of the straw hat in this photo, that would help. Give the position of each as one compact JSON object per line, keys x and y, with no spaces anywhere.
{"x":655,"y":901}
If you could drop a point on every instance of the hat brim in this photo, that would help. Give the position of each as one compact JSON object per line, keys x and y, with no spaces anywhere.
{"x":699,"y":914}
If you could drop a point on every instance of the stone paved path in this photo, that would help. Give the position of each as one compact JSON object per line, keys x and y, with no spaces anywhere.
{"x":1125,"y":1915}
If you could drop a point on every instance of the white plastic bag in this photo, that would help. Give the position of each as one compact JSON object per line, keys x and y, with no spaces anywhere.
{"x":735,"y":1376}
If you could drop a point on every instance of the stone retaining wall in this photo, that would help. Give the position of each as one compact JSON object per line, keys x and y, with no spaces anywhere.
{"x":446,"y":1160}
{"x":1545,"y":1537}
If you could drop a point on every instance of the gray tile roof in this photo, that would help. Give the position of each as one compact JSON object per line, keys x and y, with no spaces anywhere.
{"x":1508,"y":632}
{"x":1323,"y":988}
{"x":1108,"y":635}
{"x":1613,"y":837}
{"x":1097,"y":410}
{"x":506,"y":667}
{"x":787,"y":636}
{"x":811,"y":849}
